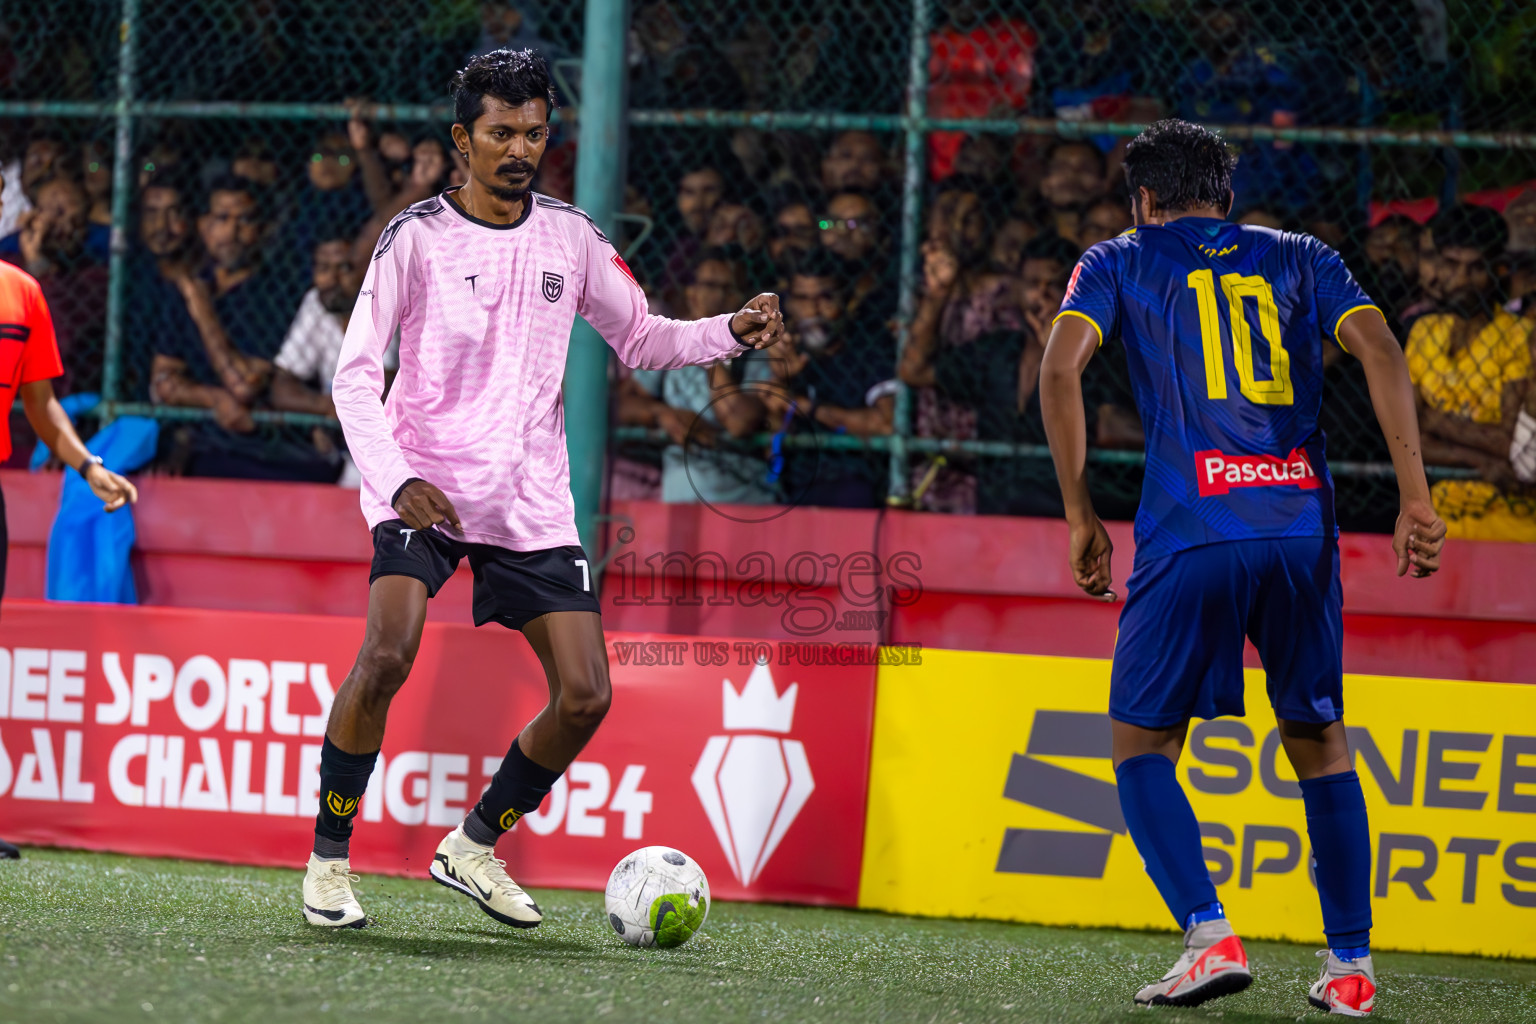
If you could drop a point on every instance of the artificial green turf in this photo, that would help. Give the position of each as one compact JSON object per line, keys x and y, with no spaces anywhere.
{"x":97,"y":937}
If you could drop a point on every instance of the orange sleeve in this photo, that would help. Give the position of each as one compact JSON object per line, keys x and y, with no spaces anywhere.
{"x":40,"y":359}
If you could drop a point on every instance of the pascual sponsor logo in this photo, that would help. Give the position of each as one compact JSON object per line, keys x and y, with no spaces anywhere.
{"x":1219,"y":473}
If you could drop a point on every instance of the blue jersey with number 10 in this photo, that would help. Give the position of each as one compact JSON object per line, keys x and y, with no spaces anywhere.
{"x":1223,"y":326}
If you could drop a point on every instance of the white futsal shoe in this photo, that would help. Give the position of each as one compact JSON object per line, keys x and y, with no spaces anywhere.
{"x":1214,"y":964}
{"x":328,"y":899}
{"x":474,"y":870}
{"x":1347,"y":987}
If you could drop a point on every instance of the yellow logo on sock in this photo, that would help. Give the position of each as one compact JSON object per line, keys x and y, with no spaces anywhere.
{"x":509,"y":819}
{"x":340,"y":805}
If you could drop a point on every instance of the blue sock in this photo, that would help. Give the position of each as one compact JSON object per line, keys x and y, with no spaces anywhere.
{"x":1200,"y":915}
{"x":1341,"y":842}
{"x":1163,"y":826}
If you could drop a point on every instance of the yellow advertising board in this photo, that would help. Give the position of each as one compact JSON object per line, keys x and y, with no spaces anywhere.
{"x":992,"y":795}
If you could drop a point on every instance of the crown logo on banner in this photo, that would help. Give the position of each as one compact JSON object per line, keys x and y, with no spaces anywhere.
{"x":753,"y":787}
{"x":759,"y":705}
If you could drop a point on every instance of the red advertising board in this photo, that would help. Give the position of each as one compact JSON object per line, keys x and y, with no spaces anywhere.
{"x":192,"y":733}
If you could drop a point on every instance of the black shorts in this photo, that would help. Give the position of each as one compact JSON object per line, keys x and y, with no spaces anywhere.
{"x":511,"y":587}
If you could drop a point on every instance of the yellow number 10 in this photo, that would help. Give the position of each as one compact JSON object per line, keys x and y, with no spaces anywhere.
{"x":1238,"y":288}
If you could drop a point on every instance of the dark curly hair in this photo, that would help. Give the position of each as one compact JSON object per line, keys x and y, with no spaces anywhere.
{"x":819,"y":262}
{"x":512,"y":76}
{"x":1184,"y":165}
{"x":1051,"y":246}
{"x":1465,"y":226}
{"x":235,"y":183}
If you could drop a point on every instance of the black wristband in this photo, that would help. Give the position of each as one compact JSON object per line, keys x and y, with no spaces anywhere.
{"x":87,"y":462}
{"x":744,"y":345}
{"x":401,"y":489}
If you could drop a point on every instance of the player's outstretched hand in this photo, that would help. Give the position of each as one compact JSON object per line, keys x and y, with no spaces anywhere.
{"x":422,"y":506}
{"x":1419,"y":536}
{"x":1089,"y":558}
{"x":113,"y":490}
{"x":759,"y":324}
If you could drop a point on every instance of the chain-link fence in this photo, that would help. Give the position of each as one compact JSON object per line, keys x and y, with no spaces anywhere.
{"x":915,"y":178}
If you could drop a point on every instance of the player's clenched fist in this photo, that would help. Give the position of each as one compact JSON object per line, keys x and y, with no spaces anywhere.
{"x":1419,"y":536}
{"x":1089,"y":558}
{"x":759,"y":324}
{"x":422,"y":506}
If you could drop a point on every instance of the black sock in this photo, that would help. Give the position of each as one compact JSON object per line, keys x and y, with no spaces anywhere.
{"x":518,"y":787}
{"x":343,"y":781}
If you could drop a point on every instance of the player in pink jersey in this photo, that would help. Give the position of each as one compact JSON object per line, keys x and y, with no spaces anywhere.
{"x":467,"y":458}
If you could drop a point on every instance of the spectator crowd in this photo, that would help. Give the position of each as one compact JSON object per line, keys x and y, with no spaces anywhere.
{"x":247,"y":251}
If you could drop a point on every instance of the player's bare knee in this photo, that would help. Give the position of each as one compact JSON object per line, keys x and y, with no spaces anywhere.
{"x":1315,"y":748}
{"x":382,"y":669}
{"x":1128,"y":741}
{"x":584,"y":707}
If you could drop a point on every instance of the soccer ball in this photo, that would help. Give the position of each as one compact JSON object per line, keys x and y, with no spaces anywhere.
{"x":657,"y":896}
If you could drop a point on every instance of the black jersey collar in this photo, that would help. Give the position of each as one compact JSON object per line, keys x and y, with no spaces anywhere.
{"x":528,"y":205}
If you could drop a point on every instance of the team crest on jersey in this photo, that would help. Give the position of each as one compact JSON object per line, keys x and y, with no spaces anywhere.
{"x":554,"y":284}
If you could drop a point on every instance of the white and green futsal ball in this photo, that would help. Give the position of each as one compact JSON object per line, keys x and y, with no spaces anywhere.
{"x":657,"y":896}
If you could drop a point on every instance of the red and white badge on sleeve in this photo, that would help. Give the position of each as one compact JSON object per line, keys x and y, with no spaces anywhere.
{"x":618,"y":261}
{"x":1077,"y":271}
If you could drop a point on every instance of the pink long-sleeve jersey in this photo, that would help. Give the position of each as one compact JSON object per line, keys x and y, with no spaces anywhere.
{"x":485,"y":312}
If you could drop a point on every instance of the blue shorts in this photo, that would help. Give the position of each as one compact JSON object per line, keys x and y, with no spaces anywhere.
{"x":1179,"y":653}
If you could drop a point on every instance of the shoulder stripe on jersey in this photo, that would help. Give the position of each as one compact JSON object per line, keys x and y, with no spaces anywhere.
{"x":551,"y":203}
{"x":1072,"y":312}
{"x":426,"y":208}
{"x":1345,"y":316}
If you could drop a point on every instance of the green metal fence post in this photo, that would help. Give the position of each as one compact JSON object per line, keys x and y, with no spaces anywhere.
{"x":599,"y":178}
{"x":122,"y":181}
{"x":911,"y":233}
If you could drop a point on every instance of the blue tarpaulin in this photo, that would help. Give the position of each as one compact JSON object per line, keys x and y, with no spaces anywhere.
{"x":87,"y":547}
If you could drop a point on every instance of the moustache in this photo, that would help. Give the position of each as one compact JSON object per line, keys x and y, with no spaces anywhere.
{"x":506,"y":170}
{"x":1468,"y":303}
{"x":817,"y":334}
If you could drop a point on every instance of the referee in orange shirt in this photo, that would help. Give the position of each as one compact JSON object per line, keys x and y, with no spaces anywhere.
{"x":29,"y":360}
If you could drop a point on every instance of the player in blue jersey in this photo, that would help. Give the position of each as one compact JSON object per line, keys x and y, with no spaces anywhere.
{"x":1224,"y":327}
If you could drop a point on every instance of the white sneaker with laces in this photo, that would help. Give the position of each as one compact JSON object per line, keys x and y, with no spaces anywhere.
{"x":1346,"y":987}
{"x":1214,"y":964}
{"x":474,"y":870}
{"x":328,"y":899}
